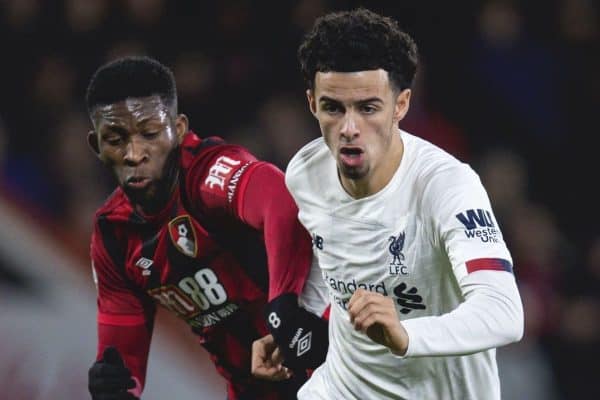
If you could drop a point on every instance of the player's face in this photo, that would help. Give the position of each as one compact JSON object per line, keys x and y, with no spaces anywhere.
{"x":137,"y":139}
{"x":358,"y":113}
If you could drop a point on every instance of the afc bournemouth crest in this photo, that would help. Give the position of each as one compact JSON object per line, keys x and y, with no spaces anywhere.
{"x":183,"y":235}
{"x":395,"y":247}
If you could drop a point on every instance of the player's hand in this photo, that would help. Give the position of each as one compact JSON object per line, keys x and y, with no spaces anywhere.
{"x":267,"y":360}
{"x":375,"y":315}
{"x":109,"y":379}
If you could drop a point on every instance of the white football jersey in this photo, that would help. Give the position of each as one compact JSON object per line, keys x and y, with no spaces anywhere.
{"x":430,"y":241}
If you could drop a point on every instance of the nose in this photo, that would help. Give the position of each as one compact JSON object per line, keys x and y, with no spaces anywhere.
{"x":349,"y":129}
{"x":135,"y":152}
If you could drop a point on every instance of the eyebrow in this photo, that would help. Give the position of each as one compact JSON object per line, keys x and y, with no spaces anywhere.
{"x":370,"y":100}
{"x":114,"y":129}
{"x":325,"y":98}
{"x":148,"y":119}
{"x":362,"y":101}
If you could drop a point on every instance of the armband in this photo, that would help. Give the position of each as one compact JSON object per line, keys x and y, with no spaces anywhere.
{"x":301,"y":335}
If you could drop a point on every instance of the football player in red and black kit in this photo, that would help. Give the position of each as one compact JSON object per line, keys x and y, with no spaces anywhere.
{"x":200,"y":227}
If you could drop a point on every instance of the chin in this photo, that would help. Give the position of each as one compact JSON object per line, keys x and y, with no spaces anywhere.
{"x":353,"y":173}
{"x":136,"y":196}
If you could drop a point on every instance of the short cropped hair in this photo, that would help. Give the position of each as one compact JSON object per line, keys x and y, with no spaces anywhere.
{"x":358,"y":40}
{"x":129,"y":77}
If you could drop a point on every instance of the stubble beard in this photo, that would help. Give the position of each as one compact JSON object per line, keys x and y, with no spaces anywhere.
{"x":154,"y":198}
{"x":351,"y":173}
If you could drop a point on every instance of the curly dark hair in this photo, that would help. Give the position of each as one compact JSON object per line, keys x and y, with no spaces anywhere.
{"x":358,"y":40}
{"x":132,"y":76}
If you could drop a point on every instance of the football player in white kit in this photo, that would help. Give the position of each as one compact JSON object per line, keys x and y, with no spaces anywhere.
{"x":419,"y":277}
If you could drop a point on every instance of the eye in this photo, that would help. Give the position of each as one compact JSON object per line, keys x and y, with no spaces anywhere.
{"x":113,"y":140}
{"x":331,"y":108}
{"x":368,"y":109}
{"x":151,"y":134}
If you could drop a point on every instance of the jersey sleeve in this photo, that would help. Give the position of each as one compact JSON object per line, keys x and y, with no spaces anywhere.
{"x":217,"y":180}
{"x":233,"y":182}
{"x":125,"y":317}
{"x":267,"y":205}
{"x":464,"y":226}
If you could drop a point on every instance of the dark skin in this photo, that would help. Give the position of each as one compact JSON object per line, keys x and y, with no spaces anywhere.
{"x":137,"y":139}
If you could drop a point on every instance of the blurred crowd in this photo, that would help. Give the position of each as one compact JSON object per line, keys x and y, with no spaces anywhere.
{"x":511,"y":87}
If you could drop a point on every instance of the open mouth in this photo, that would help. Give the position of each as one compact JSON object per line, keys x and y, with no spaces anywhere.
{"x":351,"y":151}
{"x":351,"y":156}
{"x":137,"y":182}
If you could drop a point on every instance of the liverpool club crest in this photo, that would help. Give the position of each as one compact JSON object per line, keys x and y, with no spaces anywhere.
{"x":395,"y":247}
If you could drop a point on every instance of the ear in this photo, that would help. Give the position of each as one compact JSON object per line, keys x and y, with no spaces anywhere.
{"x":402,"y":105}
{"x":181,"y":126}
{"x":312,"y":102}
{"x":92,"y":139}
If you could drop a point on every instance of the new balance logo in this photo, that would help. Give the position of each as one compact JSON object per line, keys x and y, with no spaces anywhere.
{"x":145,"y":263}
{"x":476,"y":218}
{"x":317,"y":241}
{"x":408,"y":299}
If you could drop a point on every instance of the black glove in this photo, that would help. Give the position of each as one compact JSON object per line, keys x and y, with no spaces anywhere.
{"x":109,"y":378}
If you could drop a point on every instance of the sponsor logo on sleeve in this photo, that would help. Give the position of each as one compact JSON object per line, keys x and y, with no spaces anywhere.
{"x":479,"y":224}
{"x":232,"y":186}
{"x":218,"y":172}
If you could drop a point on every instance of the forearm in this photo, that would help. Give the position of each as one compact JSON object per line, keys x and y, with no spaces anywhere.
{"x":491,"y":316}
{"x":268,"y":206}
{"x":133,"y":343}
{"x":301,"y":335}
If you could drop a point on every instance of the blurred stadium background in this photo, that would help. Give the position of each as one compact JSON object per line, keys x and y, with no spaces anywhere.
{"x":511,"y":87}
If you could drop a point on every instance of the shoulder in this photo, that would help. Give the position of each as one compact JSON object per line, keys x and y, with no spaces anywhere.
{"x":199,"y":152}
{"x":308,"y":155}
{"x":115,"y":207}
{"x":307,"y":165}
{"x":433,"y":167}
{"x":215,"y":172}
{"x":441,"y":181}
{"x":108,"y":240}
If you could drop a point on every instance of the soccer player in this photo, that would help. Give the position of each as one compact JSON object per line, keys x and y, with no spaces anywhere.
{"x":200,"y":227}
{"x":420,"y":280}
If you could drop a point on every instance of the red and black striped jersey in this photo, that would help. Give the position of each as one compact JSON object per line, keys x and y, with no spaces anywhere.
{"x":227,"y":242}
